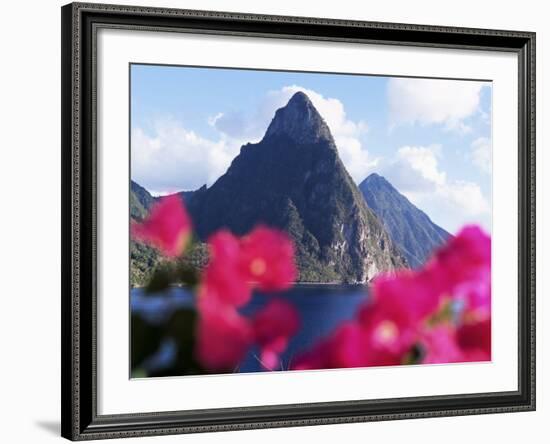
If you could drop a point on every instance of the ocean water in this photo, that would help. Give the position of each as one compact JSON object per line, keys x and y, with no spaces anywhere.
{"x":321,"y":308}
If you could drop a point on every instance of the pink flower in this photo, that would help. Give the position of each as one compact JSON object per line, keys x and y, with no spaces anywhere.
{"x":476,"y":298}
{"x":439,"y":345}
{"x":350,"y":345}
{"x":273,"y":326}
{"x":344,"y":348}
{"x":264,"y":259}
{"x":399,"y":307}
{"x":407,"y":297}
{"x":474,"y":339}
{"x":388,"y":332}
{"x":167,"y":227}
{"x":223,"y":336}
{"x":347,"y":346}
{"x":386,"y":328}
{"x":223,"y":278}
{"x":410,"y":308}
{"x":316,"y":358}
{"x":462,"y":269}
{"x":466,"y":257}
{"x":268,"y":259}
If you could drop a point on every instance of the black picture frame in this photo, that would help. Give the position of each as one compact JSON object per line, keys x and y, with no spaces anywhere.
{"x":80,"y":420}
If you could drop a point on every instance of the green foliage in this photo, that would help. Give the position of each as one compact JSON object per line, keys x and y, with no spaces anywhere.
{"x":143,"y":261}
{"x":140,"y":201}
{"x":170,"y":273}
{"x":148,"y":269}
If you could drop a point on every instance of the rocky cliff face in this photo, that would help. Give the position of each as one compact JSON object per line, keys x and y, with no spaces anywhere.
{"x":410,"y":228}
{"x":140,"y":201}
{"x":293,"y":179}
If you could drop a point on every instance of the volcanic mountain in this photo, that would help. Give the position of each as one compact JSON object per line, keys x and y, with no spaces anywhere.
{"x":411,"y":229}
{"x":293,"y":179}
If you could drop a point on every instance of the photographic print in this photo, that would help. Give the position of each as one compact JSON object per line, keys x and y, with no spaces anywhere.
{"x":273,"y":221}
{"x":285,"y":221}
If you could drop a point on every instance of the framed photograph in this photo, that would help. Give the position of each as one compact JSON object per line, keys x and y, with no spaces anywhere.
{"x":281,"y":221}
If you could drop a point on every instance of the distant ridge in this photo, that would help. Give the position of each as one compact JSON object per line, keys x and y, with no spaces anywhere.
{"x":410,"y":228}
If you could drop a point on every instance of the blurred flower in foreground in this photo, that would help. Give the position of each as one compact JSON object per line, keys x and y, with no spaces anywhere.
{"x":223,"y":335}
{"x":223,"y":279}
{"x":273,"y":326}
{"x":268,"y":258}
{"x":409,"y":317}
{"x":440,"y":345}
{"x":167,"y":228}
{"x":262,"y":259}
{"x":474,"y":339}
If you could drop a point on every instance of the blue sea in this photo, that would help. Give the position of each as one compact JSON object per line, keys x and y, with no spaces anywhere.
{"x":321,"y":308}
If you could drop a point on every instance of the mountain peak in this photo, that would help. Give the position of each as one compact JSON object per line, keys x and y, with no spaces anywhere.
{"x":294,"y":180}
{"x":373,"y":176}
{"x":300,"y":97}
{"x":376,"y":178}
{"x":299,"y":120}
{"x":410,"y":228}
{"x":378,"y":181}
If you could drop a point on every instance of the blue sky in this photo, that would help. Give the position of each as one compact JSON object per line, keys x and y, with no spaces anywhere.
{"x":431,"y":138}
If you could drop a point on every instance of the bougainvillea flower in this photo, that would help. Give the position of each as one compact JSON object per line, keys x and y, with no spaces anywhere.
{"x":223,"y":336}
{"x":475,"y":298}
{"x":347,"y":347}
{"x":167,"y":227}
{"x":474,"y":339}
{"x":465,"y":257}
{"x":388,"y":333}
{"x":223,"y":278}
{"x":267,"y":256}
{"x":442,"y":311}
{"x":316,"y":358}
{"x":439,"y":345}
{"x":462,"y":271}
{"x":273,"y":325}
{"x":399,"y":306}
{"x":407,"y":297}
{"x":263,"y":259}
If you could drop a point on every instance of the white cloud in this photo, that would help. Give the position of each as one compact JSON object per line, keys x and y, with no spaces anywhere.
{"x":416,"y":173}
{"x":466,"y":196}
{"x":433,"y":101}
{"x":422,"y":163}
{"x":481,"y":154}
{"x":174,"y":158}
{"x":235,"y":124}
{"x":346,"y":132}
